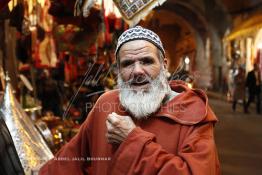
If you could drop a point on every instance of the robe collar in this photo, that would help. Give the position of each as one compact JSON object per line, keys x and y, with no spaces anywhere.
{"x":189,"y":107}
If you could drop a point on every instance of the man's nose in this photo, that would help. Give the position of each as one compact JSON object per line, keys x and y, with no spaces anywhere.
{"x":138,"y":69}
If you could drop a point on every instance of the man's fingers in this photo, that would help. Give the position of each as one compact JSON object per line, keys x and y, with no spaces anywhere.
{"x":113,"y":138}
{"x":109,"y":126}
{"x":112,"y":129}
{"x":118,"y":127}
{"x":113,"y":119}
{"x":112,"y":141}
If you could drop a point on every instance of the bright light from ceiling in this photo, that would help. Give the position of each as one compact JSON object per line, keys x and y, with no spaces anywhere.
{"x":187,"y":60}
{"x":259,"y":46}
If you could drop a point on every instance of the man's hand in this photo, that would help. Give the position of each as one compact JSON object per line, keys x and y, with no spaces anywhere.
{"x":118,"y":127}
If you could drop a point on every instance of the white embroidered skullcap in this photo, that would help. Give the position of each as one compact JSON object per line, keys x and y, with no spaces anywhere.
{"x":139,"y":33}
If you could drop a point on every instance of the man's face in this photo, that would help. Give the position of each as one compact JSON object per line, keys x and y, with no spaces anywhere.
{"x":139,"y":63}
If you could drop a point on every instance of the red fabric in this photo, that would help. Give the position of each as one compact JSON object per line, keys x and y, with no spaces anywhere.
{"x":71,"y":70}
{"x":177,"y":140}
{"x":92,"y":50}
{"x":3,"y":3}
{"x":107,"y":32}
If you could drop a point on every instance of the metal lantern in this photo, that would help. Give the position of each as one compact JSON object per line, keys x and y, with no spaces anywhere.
{"x":31,"y":148}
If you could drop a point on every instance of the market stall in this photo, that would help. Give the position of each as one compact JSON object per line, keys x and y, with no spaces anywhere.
{"x":243,"y":47}
{"x":63,"y":60}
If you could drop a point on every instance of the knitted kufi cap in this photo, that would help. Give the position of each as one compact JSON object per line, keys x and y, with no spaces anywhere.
{"x":139,"y":33}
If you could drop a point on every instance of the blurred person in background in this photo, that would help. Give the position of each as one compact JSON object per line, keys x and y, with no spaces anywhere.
{"x":253,"y":83}
{"x":239,"y":88}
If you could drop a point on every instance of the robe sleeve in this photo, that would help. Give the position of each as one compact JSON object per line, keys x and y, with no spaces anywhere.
{"x":72,"y":157}
{"x":140,"y":154}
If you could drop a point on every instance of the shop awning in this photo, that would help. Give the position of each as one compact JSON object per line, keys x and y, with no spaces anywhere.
{"x":246,"y":28}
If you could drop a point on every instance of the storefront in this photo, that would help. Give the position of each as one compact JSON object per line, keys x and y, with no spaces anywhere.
{"x":60,"y":60}
{"x":242,"y":44}
{"x":243,"y":47}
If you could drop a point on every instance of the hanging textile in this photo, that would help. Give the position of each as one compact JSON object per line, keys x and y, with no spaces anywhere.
{"x":45,"y":50}
{"x":71,"y":69}
{"x":17,"y":17}
{"x":47,"y":55}
{"x":23,"y":48}
{"x":61,"y":8}
{"x":83,"y":7}
{"x":134,"y":10}
{"x":3,"y":3}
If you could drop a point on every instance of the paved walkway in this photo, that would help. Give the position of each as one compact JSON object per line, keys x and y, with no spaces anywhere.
{"x":238,"y":138}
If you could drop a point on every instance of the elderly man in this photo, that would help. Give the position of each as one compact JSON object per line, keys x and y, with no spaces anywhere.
{"x":148,"y":126}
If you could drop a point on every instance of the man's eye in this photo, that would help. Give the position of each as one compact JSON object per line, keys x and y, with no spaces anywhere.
{"x":147,"y":61}
{"x":126,"y":63}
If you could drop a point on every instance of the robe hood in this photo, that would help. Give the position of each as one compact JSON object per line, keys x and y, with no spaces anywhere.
{"x":189,"y":107}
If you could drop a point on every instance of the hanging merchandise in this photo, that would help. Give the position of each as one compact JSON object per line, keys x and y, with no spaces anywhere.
{"x":10,"y":163}
{"x":72,"y":38}
{"x":40,"y":33}
{"x":47,"y":53}
{"x":71,"y":69}
{"x":3,"y":3}
{"x":77,"y":39}
{"x":23,"y":48}
{"x":31,"y":148}
{"x":63,"y":12}
{"x":111,"y":19}
{"x":61,"y":8}
{"x":44,"y":51}
{"x":83,"y":7}
{"x":134,"y":10}
{"x":75,"y":33}
{"x":17,"y":17}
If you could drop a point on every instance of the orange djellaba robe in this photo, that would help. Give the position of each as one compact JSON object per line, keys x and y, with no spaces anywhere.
{"x":176,"y":140}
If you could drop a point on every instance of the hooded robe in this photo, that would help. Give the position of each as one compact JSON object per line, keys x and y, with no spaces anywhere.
{"x":176,"y":140}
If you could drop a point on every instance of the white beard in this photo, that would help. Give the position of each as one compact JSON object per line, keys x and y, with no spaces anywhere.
{"x":143,"y":103}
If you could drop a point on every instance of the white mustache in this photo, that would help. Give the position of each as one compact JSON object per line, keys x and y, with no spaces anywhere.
{"x":139,"y":80}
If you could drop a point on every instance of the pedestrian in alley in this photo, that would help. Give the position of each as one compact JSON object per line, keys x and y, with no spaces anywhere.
{"x":239,"y":88}
{"x":253,"y":83}
{"x":148,"y":126}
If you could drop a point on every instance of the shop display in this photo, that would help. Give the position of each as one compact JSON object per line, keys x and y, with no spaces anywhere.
{"x":9,"y":161}
{"x":31,"y":148}
{"x":134,"y":10}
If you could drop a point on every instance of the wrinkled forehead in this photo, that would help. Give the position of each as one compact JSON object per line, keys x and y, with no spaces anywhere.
{"x":138,"y":46}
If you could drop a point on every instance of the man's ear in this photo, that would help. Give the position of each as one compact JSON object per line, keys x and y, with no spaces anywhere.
{"x":165,"y":63}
